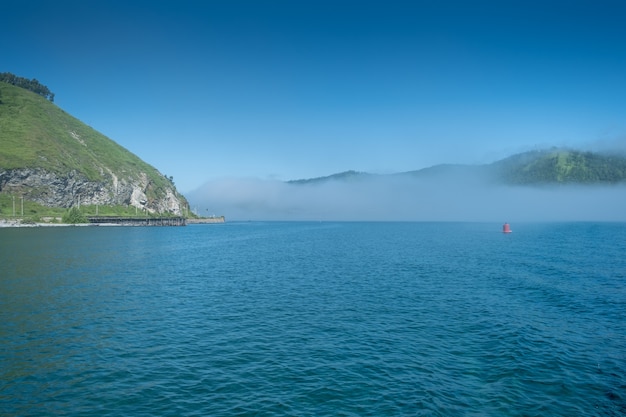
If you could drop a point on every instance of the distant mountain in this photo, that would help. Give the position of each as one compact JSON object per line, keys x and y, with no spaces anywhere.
{"x":560,"y":166}
{"x":447,"y":171}
{"x":554,"y":166}
{"x":342,"y":176}
{"x":54,"y":159}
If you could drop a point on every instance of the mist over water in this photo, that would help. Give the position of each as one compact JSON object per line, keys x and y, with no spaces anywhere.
{"x":405,"y":198}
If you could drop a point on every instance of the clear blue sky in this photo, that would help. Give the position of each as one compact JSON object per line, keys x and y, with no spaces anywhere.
{"x":299,"y":89}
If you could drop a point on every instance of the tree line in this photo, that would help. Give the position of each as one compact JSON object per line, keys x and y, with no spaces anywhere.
{"x":564,"y":167}
{"x":30,"y":85}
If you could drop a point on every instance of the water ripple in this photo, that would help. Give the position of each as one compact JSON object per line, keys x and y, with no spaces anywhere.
{"x":310,"y":319}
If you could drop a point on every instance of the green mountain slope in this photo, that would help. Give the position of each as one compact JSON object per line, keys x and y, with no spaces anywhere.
{"x":555,"y":166}
{"x":560,"y":166}
{"x":54,"y":159}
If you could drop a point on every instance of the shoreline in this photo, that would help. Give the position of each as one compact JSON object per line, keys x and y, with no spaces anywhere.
{"x":18,"y":224}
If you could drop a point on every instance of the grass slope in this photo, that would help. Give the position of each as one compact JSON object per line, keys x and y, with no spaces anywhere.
{"x":35,"y":133}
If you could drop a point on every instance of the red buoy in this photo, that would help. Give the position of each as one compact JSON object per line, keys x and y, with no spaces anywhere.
{"x":506,"y":228}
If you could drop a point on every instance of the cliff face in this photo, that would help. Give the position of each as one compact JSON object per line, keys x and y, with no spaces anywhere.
{"x":52,"y":158}
{"x":54,"y":190}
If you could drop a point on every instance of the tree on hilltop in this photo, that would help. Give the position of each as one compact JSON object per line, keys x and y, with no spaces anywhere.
{"x":30,"y":85}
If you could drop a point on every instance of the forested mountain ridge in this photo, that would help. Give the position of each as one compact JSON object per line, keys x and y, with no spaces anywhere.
{"x":342,"y":176}
{"x":534,"y":168}
{"x":561,"y":166}
{"x":54,"y":159}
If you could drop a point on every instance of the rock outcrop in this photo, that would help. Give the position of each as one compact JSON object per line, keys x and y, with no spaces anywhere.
{"x":54,"y":190}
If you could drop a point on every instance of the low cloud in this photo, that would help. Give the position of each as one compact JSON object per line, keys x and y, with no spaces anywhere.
{"x":400,"y":198}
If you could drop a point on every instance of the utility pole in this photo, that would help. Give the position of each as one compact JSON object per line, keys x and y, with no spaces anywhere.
{"x":22,"y":197}
{"x":13,"y":205}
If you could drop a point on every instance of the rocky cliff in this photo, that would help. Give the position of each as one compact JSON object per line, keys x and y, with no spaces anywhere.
{"x":56,"y":190}
{"x":52,"y":158}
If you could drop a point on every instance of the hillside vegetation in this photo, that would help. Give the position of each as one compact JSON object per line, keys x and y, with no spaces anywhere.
{"x":535,"y":168}
{"x":561,"y":166}
{"x":37,"y":134}
{"x":54,"y":159}
{"x":30,"y":85}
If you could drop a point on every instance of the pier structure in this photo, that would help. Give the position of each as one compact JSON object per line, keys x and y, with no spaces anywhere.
{"x":206,"y":220}
{"x":138,"y":221}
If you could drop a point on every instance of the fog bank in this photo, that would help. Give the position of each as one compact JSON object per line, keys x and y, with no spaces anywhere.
{"x":397,"y":198}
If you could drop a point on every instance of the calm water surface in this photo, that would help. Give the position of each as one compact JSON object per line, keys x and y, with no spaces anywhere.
{"x":313,"y":319}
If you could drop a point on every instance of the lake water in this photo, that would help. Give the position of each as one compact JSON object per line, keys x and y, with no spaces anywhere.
{"x":314,"y":319}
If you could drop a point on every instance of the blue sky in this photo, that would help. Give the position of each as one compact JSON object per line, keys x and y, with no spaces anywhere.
{"x":299,"y":89}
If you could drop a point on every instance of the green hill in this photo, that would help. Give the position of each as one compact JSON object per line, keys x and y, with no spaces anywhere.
{"x":555,"y":166}
{"x":560,"y":166}
{"x":54,"y":159}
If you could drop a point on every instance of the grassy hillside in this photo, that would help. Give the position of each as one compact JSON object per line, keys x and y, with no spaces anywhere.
{"x":35,"y":133}
{"x":561,"y":166}
{"x":14,"y":206}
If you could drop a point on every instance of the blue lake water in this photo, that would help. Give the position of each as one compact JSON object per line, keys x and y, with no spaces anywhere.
{"x":314,"y":319}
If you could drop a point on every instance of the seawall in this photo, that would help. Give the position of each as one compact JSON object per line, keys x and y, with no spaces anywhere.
{"x":207,"y":220}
